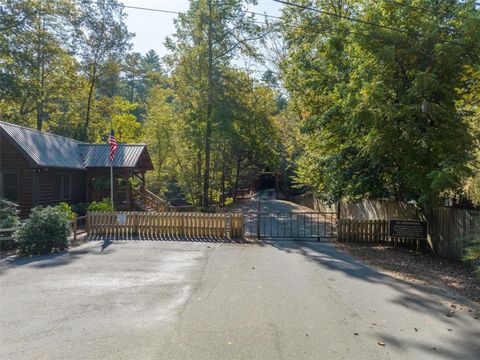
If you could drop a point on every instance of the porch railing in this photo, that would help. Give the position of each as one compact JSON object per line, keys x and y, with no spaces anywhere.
{"x":150,"y":200}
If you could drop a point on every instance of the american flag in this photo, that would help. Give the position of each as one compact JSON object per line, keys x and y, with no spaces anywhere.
{"x":113,"y":145}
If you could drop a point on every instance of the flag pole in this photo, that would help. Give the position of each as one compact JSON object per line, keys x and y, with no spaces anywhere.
{"x":113,"y":149}
{"x":111,"y":183}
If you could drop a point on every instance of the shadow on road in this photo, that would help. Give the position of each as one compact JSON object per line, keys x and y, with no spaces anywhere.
{"x":416,"y":297}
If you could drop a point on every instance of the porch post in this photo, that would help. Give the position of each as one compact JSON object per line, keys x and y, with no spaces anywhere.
{"x":142,"y":186}
{"x":127,"y":176}
{"x":111,"y":185}
{"x":87,"y":187}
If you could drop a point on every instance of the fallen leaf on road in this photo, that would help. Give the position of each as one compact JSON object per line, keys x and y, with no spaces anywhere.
{"x":381,"y":343}
{"x":416,"y":329}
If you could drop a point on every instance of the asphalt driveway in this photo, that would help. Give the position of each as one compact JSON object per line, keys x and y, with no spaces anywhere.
{"x":187,"y":300}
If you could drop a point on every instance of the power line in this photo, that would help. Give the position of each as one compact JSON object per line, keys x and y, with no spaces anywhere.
{"x":178,"y":12}
{"x":304,"y":7}
{"x":424,"y":9}
{"x":148,"y":9}
{"x":407,"y":32}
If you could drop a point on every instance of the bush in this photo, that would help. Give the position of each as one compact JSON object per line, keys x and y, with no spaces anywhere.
{"x":67,"y":209}
{"x":46,"y":230}
{"x":472,"y":253}
{"x":8,"y":219}
{"x":8,"y":214}
{"x":104,"y":205}
{"x":80,"y":208}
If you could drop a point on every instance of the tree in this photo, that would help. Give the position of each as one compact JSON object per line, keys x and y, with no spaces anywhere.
{"x":209,"y":35}
{"x":469,"y":107}
{"x":101,"y":35}
{"x":35,"y":61}
{"x":376,"y":103}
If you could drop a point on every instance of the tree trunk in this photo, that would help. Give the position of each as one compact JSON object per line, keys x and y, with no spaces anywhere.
{"x":208,"y":130}
{"x":237,"y":178}
{"x":199,"y":177}
{"x":222,"y":184}
{"x":41,"y":73}
{"x":89,"y":102}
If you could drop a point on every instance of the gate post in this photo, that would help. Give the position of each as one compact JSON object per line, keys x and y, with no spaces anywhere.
{"x":258,"y":225}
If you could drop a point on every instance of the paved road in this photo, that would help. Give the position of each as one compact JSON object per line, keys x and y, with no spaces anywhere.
{"x":187,"y":300}
{"x":283,"y":219}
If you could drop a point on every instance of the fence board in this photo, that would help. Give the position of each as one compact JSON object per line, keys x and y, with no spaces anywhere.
{"x":154,"y":225}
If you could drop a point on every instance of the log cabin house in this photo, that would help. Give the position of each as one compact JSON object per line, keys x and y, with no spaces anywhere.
{"x":38,"y":168}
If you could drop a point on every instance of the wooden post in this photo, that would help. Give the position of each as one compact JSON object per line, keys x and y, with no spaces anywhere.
{"x":88,"y":224}
{"x":74,"y":227}
{"x":258,"y":225}
{"x":128,"y":174}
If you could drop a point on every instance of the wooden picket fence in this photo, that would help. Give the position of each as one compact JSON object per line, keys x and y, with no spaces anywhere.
{"x":151,"y":225}
{"x":370,"y":231}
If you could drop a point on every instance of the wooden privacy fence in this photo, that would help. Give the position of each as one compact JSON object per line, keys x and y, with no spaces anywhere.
{"x":125,"y":225}
{"x":370,"y":231}
{"x":453,"y":229}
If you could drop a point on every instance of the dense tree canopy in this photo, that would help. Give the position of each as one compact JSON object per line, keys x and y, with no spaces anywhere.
{"x":372,"y":99}
{"x":377,"y":97}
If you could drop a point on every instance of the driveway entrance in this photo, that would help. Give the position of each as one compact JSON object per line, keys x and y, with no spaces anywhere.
{"x":268,"y":218}
{"x":295,"y":225}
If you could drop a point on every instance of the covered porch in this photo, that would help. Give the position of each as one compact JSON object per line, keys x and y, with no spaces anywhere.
{"x":129,"y":167}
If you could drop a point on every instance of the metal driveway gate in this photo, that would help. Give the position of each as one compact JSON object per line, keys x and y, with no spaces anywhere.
{"x":292,"y":225}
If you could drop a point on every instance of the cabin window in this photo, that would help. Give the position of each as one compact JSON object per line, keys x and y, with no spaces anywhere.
{"x":10,"y":186}
{"x":62,"y":187}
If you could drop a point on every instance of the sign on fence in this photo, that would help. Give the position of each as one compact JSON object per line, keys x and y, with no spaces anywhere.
{"x":407,"y":229}
{"x":121,"y":219}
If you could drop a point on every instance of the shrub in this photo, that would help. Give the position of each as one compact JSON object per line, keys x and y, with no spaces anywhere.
{"x":80,"y":208}
{"x":472,"y":253}
{"x":8,"y":214}
{"x":104,"y":205}
{"x":8,"y":219}
{"x":67,"y":209}
{"x":46,"y":230}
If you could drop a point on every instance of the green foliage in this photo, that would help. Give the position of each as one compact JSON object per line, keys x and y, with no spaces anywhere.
{"x":101,"y":183}
{"x":469,"y":106}
{"x":80,"y":208}
{"x":46,"y":230}
{"x":8,"y":214}
{"x":377,"y":107}
{"x":67,"y":209}
{"x":123,"y":122}
{"x":104,"y":205}
{"x":472,"y":253}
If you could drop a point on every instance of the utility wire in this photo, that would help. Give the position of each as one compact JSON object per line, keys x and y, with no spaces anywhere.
{"x":426,"y":10}
{"x":407,"y":32}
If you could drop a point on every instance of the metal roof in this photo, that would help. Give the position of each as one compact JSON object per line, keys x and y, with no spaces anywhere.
{"x":97,"y":155}
{"x":44,"y":149}
{"x":48,"y":150}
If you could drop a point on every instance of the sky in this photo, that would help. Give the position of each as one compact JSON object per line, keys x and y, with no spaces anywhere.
{"x":152,"y":28}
